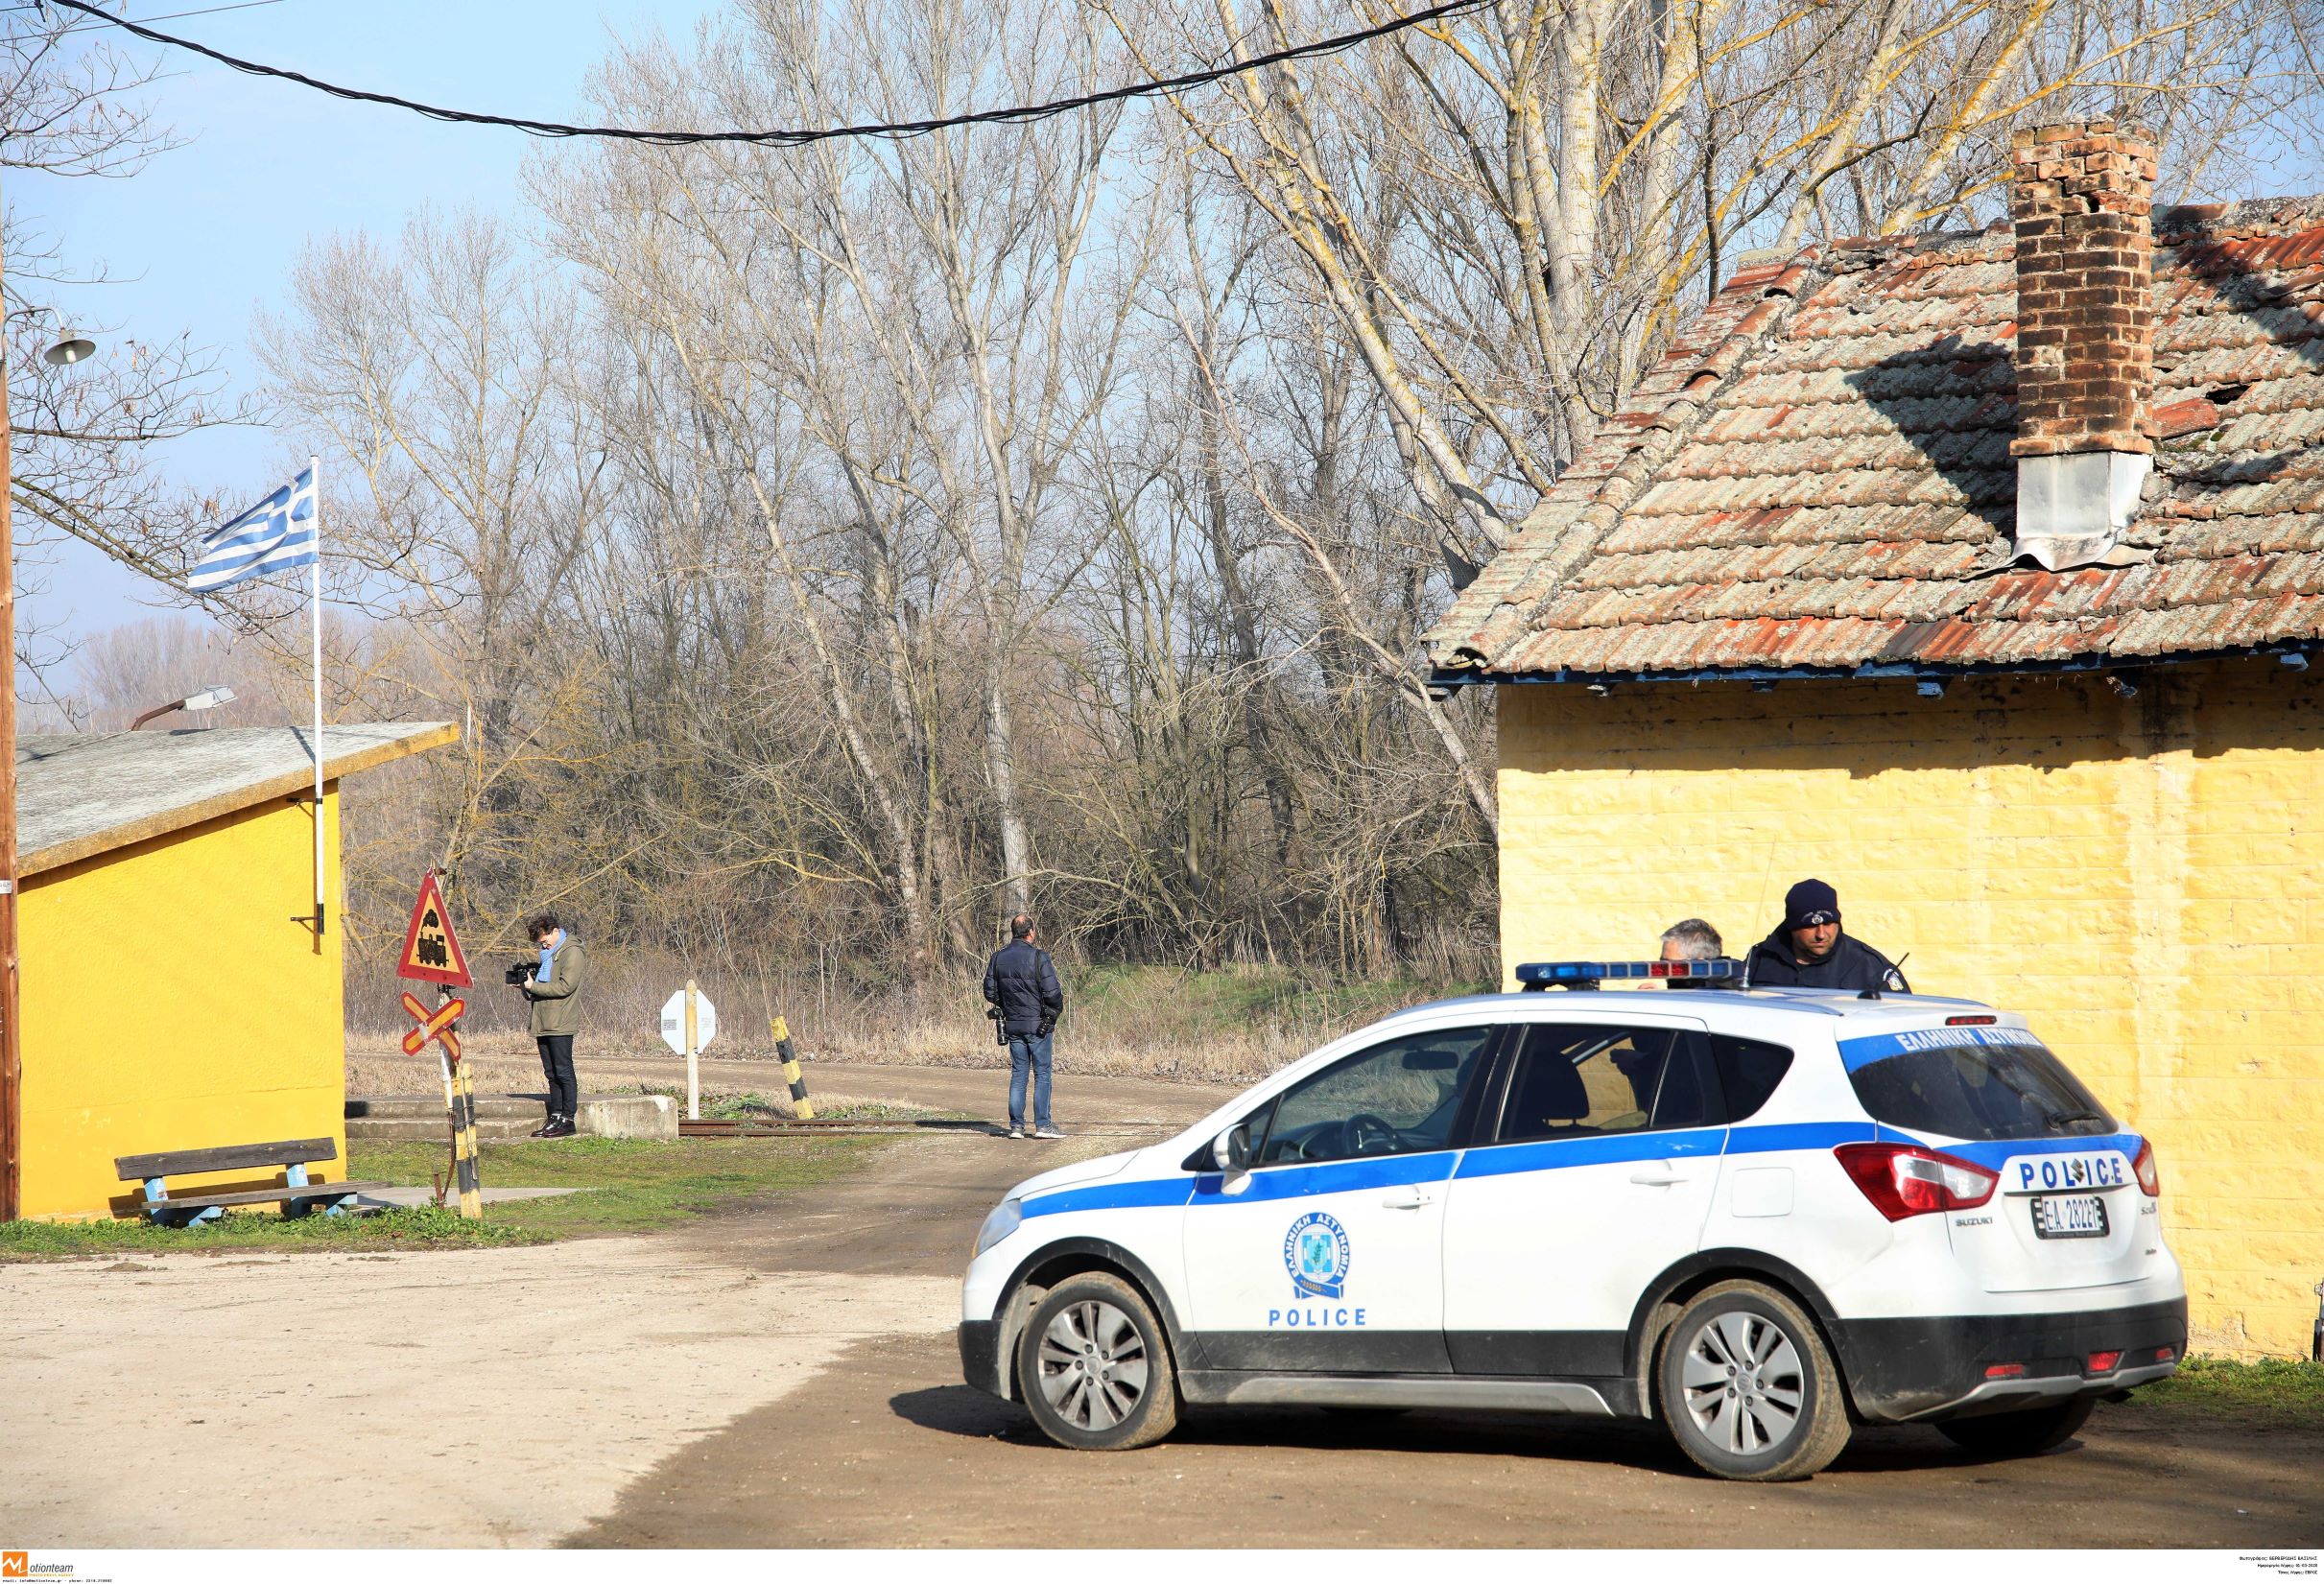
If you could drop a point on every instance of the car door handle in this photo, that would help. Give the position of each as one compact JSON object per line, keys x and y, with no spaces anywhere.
{"x":1410,"y":1199}
{"x":1660,"y":1176}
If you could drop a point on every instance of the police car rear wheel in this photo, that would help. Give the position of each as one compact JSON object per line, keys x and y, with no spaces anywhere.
{"x":1747,"y":1386}
{"x":1095,"y":1367}
{"x":2019,"y":1434}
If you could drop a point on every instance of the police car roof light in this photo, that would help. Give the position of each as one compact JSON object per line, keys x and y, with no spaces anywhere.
{"x":1979,"y":1018}
{"x":1587,"y":976}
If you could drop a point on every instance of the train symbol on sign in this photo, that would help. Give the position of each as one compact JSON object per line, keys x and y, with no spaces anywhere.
{"x":431,"y":951}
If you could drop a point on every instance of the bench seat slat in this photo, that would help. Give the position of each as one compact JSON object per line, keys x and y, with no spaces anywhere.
{"x":231,"y":1157}
{"x":259,"y":1196}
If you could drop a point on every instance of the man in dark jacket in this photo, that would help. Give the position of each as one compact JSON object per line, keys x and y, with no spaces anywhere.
{"x":1809,"y":951}
{"x":1021,"y":983}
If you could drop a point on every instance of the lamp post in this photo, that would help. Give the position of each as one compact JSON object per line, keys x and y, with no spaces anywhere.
{"x":208,"y":699}
{"x":69,"y":349}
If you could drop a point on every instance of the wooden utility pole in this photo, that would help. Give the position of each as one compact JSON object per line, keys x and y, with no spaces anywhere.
{"x":11,"y":1053}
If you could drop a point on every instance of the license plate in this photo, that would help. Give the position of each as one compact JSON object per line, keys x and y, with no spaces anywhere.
{"x":2069,"y":1216}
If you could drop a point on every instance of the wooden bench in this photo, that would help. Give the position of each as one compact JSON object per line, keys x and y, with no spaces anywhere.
{"x":297,"y":1195}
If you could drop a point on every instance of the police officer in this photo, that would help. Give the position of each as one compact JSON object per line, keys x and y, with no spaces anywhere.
{"x":1809,"y":951}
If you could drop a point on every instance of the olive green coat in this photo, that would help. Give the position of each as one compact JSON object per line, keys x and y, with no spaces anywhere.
{"x":553,"y":1008}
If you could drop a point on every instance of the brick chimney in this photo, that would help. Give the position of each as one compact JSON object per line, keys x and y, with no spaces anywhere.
{"x":2081,"y":197}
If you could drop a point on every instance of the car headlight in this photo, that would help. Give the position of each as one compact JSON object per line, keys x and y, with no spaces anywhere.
{"x":1006,"y":1218}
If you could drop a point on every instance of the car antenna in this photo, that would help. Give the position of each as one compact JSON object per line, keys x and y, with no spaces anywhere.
{"x":1897,"y":968}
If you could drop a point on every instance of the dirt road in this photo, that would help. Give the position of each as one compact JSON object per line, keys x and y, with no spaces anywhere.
{"x":785,"y":1375}
{"x":888,"y":1447}
{"x":974,"y":1091}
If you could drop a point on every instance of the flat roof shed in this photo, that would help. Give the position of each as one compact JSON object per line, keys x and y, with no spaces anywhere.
{"x":175,"y":992}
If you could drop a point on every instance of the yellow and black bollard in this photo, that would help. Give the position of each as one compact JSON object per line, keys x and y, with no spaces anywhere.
{"x":471,"y":1174}
{"x":800,"y":1106}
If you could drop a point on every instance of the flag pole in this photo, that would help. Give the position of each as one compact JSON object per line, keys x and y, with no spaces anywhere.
{"x":315,"y":471}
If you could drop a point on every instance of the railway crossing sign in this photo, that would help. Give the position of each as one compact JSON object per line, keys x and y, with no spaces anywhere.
{"x":431,"y":951}
{"x":673,"y":1021}
{"x":689,"y":1022}
{"x":434,"y":1022}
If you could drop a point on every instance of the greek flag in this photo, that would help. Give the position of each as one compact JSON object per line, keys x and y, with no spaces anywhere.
{"x":279,"y":531}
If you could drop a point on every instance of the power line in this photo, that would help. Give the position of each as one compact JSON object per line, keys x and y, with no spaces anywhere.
{"x":166,"y":16}
{"x":789,"y":139}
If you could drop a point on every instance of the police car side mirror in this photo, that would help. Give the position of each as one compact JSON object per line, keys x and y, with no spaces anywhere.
{"x":1231,"y":1151}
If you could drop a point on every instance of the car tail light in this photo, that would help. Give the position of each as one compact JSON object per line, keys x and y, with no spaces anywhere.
{"x":2003,"y":1372}
{"x":2103,"y":1363}
{"x":2149,"y":1174}
{"x":2163,"y":1355}
{"x":1903,"y":1179}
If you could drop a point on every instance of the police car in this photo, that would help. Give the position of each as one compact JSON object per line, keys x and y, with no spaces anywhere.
{"x":1761,"y":1216}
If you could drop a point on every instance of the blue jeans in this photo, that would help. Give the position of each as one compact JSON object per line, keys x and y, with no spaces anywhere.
{"x":1029,"y":1053}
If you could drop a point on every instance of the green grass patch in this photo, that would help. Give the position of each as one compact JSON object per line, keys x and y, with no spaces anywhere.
{"x":2277,"y":1391}
{"x":634,"y":1185}
{"x":253,"y":1232}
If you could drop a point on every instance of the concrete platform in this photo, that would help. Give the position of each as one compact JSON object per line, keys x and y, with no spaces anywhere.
{"x":511,"y":1116}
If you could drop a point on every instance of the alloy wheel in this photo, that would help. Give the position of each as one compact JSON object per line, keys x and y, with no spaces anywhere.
{"x":1093,"y":1366}
{"x":1744,"y":1383}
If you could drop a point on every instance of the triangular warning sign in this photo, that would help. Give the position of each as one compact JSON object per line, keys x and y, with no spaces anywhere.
{"x":431,"y":951}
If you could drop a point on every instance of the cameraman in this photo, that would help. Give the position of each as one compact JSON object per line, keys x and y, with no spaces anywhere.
{"x":550,"y":986}
{"x":1021,"y":986}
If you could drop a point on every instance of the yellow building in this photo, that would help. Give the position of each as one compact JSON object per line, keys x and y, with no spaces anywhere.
{"x":174,"y":995}
{"x":1852,"y":590}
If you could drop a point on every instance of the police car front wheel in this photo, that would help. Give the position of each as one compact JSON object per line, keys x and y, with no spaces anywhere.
{"x":1093,"y":1366}
{"x":1747,"y":1388}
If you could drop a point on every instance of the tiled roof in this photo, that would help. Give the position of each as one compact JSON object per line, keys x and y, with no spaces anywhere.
{"x":1819,"y":475}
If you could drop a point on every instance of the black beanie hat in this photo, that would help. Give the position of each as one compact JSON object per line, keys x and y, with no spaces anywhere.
{"x":1811,"y":902}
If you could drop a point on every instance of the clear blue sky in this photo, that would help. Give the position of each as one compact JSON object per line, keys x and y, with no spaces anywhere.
{"x":206,"y":234}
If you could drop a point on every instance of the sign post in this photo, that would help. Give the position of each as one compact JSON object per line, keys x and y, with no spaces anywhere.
{"x":689,"y":1023}
{"x":432,"y":955}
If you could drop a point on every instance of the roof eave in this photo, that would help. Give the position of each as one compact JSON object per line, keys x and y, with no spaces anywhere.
{"x":2293,"y":652}
{"x":336,"y":766}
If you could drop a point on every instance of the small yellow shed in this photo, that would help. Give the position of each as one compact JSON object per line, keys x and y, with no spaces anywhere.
{"x":175,"y":996}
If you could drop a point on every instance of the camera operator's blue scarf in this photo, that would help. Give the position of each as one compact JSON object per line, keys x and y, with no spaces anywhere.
{"x":548,"y":955}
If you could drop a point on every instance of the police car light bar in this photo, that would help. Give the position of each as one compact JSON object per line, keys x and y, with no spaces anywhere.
{"x":1587,"y":976}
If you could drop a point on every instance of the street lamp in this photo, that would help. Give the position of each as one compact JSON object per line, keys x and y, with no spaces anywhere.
{"x":208,"y":699}
{"x":67,"y":350}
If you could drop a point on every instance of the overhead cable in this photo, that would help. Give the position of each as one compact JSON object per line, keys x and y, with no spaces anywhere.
{"x":883,"y":128}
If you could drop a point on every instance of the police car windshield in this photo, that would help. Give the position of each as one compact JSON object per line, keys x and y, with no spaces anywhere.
{"x":2005,"y":1085}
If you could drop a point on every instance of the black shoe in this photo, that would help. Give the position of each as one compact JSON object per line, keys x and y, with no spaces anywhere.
{"x":542,"y":1131}
{"x":560,"y":1127}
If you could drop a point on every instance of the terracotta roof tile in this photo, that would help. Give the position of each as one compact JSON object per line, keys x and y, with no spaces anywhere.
{"x":1844,"y":496}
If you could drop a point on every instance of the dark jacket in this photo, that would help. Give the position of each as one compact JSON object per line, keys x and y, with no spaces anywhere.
{"x":1852,"y":965}
{"x":1021,"y":982}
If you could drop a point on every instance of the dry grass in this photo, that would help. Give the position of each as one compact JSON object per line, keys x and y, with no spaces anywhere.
{"x":1230,"y":1027}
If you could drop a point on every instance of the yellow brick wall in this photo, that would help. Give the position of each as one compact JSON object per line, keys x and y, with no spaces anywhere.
{"x":2138,"y":876}
{"x":169,"y":1002}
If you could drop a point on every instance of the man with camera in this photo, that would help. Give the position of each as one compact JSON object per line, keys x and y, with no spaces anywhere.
{"x":1025,"y":1001}
{"x":549,"y":985}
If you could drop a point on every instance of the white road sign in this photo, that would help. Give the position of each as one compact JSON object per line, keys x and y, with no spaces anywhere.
{"x":673,"y":1022}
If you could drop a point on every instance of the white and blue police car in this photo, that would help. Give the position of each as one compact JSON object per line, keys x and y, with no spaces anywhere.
{"x":1762,"y":1217}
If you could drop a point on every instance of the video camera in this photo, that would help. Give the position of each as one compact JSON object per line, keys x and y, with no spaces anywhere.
{"x":519,"y":973}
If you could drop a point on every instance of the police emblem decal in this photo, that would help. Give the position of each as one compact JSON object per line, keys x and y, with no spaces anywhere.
{"x":1315,"y":1252}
